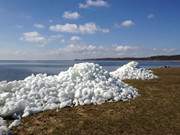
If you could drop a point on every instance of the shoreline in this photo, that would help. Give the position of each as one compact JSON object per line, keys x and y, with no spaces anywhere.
{"x":155,"y":111}
{"x":158,"y":57}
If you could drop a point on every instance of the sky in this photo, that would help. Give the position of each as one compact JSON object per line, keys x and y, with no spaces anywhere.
{"x":72,"y":29}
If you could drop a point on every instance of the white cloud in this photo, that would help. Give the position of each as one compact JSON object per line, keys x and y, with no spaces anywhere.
{"x":33,"y":37}
{"x":37,"y":25}
{"x":36,"y":38}
{"x":127,"y":23}
{"x":56,"y":38}
{"x":151,"y":16}
{"x":81,"y":50}
{"x":75,"y":38}
{"x":71,"y":15}
{"x":164,"y":50}
{"x":70,"y":28}
{"x":87,"y":28}
{"x":93,"y":3}
{"x":125,"y":48}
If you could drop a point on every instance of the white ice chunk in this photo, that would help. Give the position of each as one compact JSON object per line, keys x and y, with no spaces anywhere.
{"x":14,"y":123}
{"x":84,"y":83}
{"x":131,"y":71}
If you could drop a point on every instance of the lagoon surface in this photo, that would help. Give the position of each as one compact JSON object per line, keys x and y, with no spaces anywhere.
{"x":18,"y":69}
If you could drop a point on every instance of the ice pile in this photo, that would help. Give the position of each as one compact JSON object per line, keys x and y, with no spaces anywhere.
{"x":84,"y":83}
{"x":131,"y":71}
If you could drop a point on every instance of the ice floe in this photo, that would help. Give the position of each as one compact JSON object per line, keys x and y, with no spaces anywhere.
{"x":132,"y":71}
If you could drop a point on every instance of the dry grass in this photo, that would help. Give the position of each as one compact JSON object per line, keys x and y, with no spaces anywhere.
{"x":155,"y":112}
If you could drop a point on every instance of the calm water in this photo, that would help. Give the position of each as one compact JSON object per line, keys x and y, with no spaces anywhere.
{"x":17,"y":70}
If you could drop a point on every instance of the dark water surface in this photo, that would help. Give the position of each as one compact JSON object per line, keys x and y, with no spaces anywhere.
{"x":17,"y":70}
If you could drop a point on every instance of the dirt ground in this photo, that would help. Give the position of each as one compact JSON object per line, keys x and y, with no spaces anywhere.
{"x":155,"y":112}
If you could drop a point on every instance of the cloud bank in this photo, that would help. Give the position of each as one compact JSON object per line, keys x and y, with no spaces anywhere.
{"x":33,"y":37}
{"x":87,"y":28}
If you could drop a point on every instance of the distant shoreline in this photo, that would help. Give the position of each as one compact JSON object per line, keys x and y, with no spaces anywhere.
{"x":160,"y":58}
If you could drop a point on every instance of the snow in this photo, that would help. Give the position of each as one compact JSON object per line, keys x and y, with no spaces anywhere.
{"x":132,"y":71}
{"x":14,"y":123}
{"x":2,"y":122}
{"x":82,"y":84}
{"x":3,"y":126}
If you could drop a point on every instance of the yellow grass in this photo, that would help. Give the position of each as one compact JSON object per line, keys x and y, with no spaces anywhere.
{"x":156,"y":111}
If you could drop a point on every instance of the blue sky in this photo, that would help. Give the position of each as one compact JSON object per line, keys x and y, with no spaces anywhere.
{"x":61,"y":29}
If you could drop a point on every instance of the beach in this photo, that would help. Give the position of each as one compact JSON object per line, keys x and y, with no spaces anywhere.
{"x":89,"y":67}
{"x":155,"y":111}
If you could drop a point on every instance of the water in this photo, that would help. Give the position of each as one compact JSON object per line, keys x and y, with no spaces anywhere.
{"x":17,"y":70}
